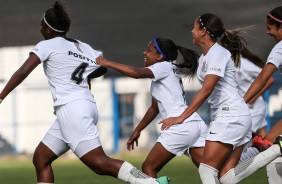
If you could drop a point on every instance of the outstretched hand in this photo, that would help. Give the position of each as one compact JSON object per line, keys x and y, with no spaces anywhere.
{"x":133,"y":138}
{"x":102,"y":61}
{"x":168,"y":122}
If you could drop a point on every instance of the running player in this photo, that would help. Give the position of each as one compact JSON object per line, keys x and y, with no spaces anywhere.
{"x":164,"y":69}
{"x":272,"y":155}
{"x":274,"y":61}
{"x":230,"y":129}
{"x":67,"y":64}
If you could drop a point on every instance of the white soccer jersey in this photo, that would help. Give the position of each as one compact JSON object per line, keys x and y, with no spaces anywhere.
{"x":167,"y":90}
{"x":275,"y":56}
{"x":246,"y":74}
{"x":225,"y":99}
{"x":66,"y":65}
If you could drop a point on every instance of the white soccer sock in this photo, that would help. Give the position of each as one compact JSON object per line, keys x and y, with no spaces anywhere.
{"x":208,"y":174}
{"x":248,"y":167}
{"x":248,"y":153}
{"x":132,"y":175}
{"x":274,"y":171}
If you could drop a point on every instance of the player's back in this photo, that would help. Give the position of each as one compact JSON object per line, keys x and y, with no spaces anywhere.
{"x":67,"y":63}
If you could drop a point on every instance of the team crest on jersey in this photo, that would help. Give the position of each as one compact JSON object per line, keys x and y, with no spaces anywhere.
{"x":204,"y":67}
{"x":176,"y":71}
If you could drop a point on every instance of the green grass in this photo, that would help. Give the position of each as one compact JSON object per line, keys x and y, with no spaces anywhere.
{"x":72,"y":171}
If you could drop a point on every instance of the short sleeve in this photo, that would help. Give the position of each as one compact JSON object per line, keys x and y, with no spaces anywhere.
{"x":160,"y":70}
{"x":42,"y":51}
{"x":275,"y":57}
{"x":217,"y":63}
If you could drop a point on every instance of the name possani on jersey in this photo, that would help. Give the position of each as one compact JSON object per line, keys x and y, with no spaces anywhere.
{"x":76,"y":55}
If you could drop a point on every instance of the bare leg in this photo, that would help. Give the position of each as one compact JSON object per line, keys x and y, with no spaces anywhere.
{"x":232,"y":161}
{"x":100,"y":163}
{"x":42,"y":159}
{"x":156,"y":159}
{"x":197,"y":155}
{"x":216,"y":153}
{"x":275,"y":131}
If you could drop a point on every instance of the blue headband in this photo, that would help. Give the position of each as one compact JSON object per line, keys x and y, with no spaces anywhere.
{"x":159,"y":50}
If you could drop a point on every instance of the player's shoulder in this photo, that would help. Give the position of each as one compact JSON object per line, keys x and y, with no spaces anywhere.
{"x":277,"y":47}
{"x":217,"y":52}
{"x":162,"y":65}
{"x":88,"y":46}
{"x":50,"y":42}
{"x":217,"y":49}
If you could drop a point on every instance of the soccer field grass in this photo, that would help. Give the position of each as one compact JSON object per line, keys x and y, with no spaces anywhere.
{"x":72,"y":171}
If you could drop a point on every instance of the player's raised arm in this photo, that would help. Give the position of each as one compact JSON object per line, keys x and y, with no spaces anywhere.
{"x":28,"y":66}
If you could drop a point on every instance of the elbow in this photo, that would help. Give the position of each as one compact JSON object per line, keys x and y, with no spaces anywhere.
{"x":136,"y":75}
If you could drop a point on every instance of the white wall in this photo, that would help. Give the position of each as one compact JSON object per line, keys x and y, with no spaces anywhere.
{"x":27,"y":113}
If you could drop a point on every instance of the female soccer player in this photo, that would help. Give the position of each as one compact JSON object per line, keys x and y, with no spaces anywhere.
{"x":274,"y":61}
{"x":230,"y":127}
{"x":164,"y":69}
{"x":67,"y":64}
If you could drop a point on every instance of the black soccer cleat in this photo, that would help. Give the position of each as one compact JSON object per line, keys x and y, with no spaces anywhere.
{"x":278,"y":141}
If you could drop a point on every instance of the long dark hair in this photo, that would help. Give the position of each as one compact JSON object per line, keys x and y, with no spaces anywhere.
{"x":58,"y":18}
{"x":246,"y":53}
{"x":230,"y":39}
{"x":187,"y":64}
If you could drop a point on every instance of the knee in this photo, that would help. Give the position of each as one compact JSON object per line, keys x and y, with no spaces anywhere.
{"x":41,"y":160}
{"x":37,"y":162}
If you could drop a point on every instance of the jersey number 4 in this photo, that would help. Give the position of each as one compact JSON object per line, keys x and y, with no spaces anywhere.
{"x":78,"y":73}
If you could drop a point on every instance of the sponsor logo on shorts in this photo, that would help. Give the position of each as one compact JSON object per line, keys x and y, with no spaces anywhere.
{"x":212,"y":133}
{"x":225,"y":108}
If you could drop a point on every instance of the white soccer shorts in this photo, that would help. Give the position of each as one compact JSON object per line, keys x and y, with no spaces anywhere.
{"x":74,"y":128}
{"x":178,"y":138}
{"x":235,"y":130}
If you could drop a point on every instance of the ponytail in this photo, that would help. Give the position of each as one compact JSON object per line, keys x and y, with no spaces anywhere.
{"x":234,"y":42}
{"x":188,"y":63}
{"x":246,"y":53}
